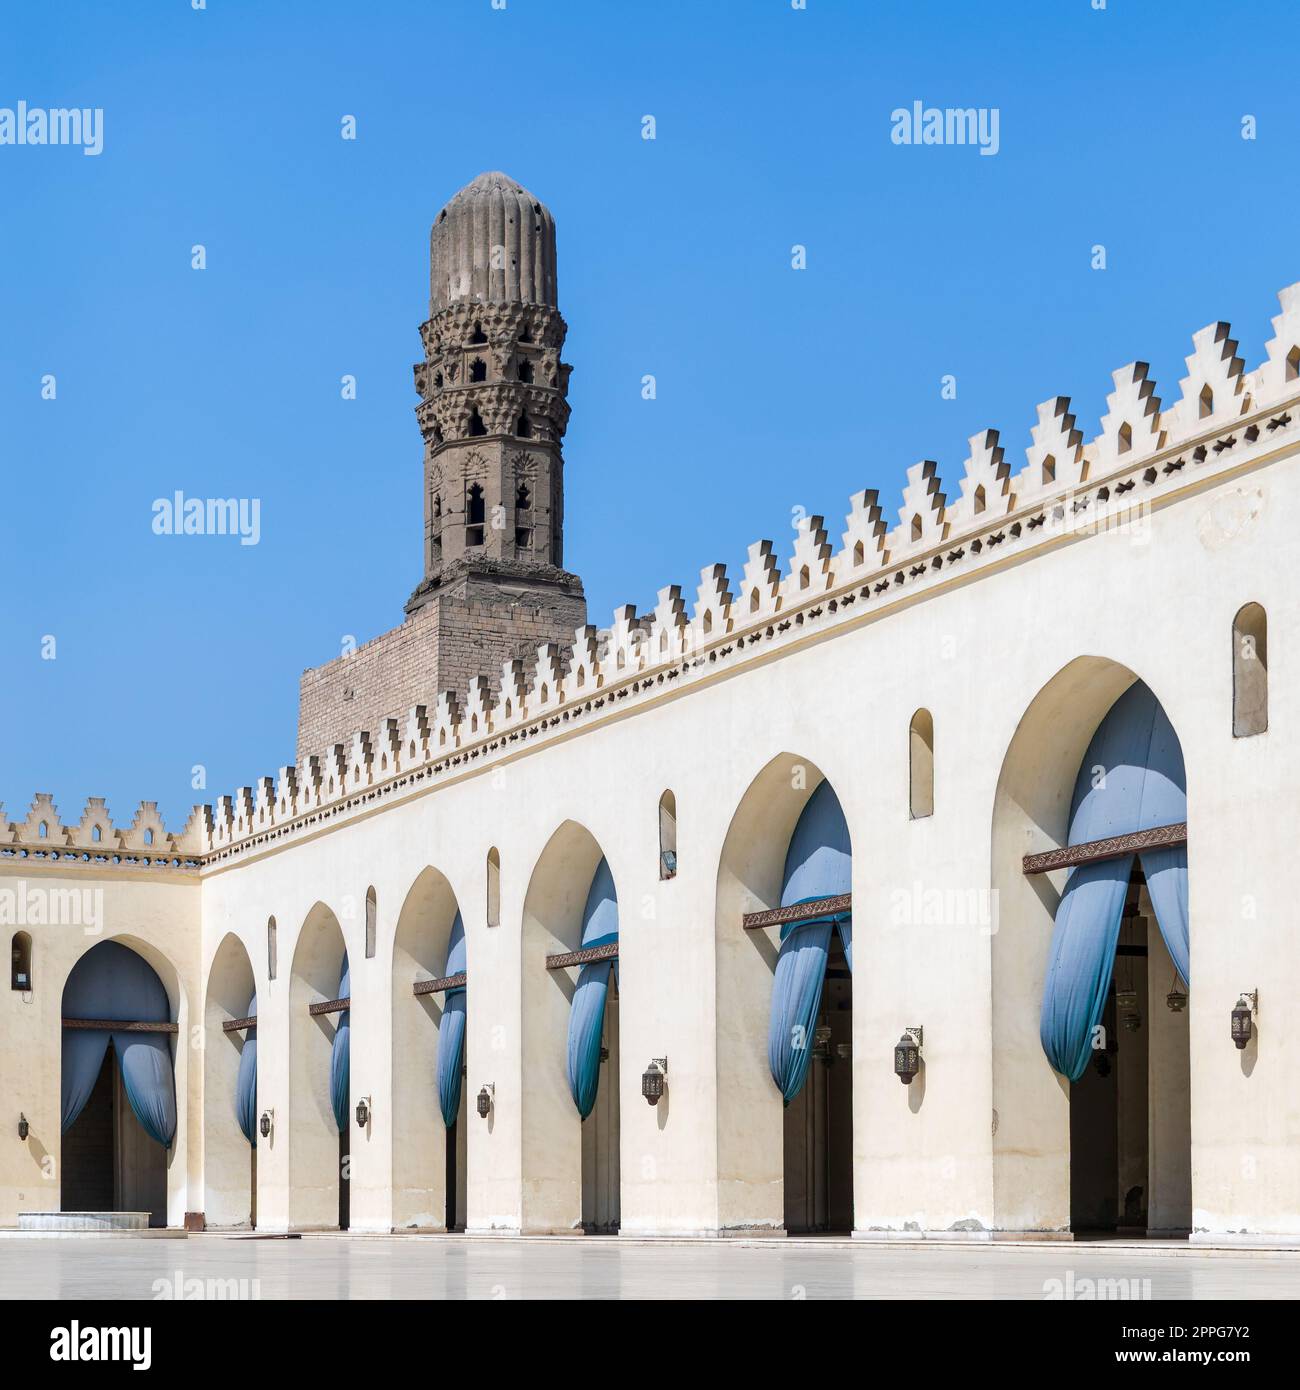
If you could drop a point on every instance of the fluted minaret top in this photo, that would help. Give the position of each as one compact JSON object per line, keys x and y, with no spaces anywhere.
{"x":494,"y":243}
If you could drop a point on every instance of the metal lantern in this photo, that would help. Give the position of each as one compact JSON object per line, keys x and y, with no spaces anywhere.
{"x":23,"y":1128}
{"x":822,"y":1042}
{"x":1127,"y":1002}
{"x":1176,"y":999}
{"x":652,"y":1079}
{"x":264,"y":1127}
{"x":484,"y":1104}
{"x":363,"y":1112}
{"x":1241,"y":1025}
{"x":907,"y":1056}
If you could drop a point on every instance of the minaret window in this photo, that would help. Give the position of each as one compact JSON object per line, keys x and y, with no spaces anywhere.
{"x":478,"y":336}
{"x":523,"y":517}
{"x":526,"y":371}
{"x":474,"y":515}
{"x":478,"y":370}
{"x":525,"y":334}
{"x":523,"y":427}
{"x":476,"y":425}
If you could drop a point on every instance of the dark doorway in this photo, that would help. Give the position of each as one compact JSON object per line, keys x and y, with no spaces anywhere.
{"x":819,"y":1120}
{"x":345,"y":1180}
{"x":109,"y":1163}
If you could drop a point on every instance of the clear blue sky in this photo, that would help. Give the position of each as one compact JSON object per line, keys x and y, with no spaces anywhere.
{"x":776,"y":388}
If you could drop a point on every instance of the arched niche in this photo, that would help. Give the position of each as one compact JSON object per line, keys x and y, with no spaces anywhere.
{"x":313,"y":1131}
{"x":419,"y":1135}
{"x":228,"y":1159}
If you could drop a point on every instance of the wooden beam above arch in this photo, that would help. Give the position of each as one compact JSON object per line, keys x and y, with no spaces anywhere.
{"x":609,"y":951}
{"x":329,"y":1006}
{"x":121,"y":1025}
{"x":237,"y":1025}
{"x":439,"y":985}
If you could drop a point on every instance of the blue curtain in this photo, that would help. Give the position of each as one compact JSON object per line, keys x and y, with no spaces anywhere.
{"x":112,"y":982}
{"x":818,"y":864}
{"x":339,"y":1058}
{"x":451,"y":1029}
{"x":587,"y":1016}
{"x":1132,"y":778}
{"x":246,"y":1082}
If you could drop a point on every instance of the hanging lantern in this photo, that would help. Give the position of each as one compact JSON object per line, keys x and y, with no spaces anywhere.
{"x":822,"y":1043}
{"x":1126,"y":1000}
{"x":652,"y":1080}
{"x":1241,"y":1024}
{"x":484,"y":1103}
{"x":1176,"y":999}
{"x":907,"y":1056}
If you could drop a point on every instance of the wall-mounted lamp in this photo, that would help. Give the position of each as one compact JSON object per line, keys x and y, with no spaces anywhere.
{"x":363,"y":1112}
{"x":652,"y":1080}
{"x":1242,"y":1027}
{"x":265,"y":1124}
{"x":23,"y":1127}
{"x":486,"y":1096}
{"x":907,"y":1055}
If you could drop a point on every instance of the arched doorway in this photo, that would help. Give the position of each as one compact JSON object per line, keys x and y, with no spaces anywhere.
{"x":319,"y":1093}
{"x":571,"y":1078}
{"x":429,"y":1017}
{"x":118,"y":1085}
{"x":1092,"y":1106}
{"x":230,"y":1089}
{"x":784,"y":1007}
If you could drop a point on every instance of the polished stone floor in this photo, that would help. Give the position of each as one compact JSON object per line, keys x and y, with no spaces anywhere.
{"x":127,"y":1267}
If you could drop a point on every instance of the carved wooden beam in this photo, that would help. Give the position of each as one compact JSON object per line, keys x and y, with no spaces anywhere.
{"x":121,"y":1026}
{"x":800,"y":912}
{"x":1114,"y":848}
{"x":437,"y":986}
{"x":237,"y":1025}
{"x":330,"y":1006}
{"x":561,"y":962}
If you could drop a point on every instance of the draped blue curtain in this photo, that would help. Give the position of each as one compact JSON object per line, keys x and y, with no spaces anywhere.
{"x":112,"y":982}
{"x":246,"y":1082}
{"x":340,"y":1061}
{"x":451,"y":1029}
{"x":587,"y":1015}
{"x":818,"y":864}
{"x":1132,"y":778}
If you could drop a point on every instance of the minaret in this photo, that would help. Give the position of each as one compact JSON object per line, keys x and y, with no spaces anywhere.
{"x":492,"y":410}
{"x":493,"y":403}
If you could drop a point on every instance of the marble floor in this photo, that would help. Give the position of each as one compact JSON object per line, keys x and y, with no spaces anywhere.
{"x":438,"y":1267}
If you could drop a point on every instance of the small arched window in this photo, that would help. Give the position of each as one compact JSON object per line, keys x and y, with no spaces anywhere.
{"x":1125,"y":437}
{"x":478,"y":370}
{"x":1049,"y":469}
{"x":475,"y":513}
{"x":271,"y":952}
{"x":372,"y":915}
{"x":979,"y":500}
{"x":494,"y":888}
{"x":859,"y":554}
{"x":43,"y":831}
{"x":20,"y":975}
{"x":96,"y":835}
{"x":476,"y":426}
{"x":1293,"y":364}
{"x":921,"y":765}
{"x":805,"y":578}
{"x":1207,"y":402}
{"x":1250,"y":671}
{"x":148,"y":837}
{"x":478,"y":336}
{"x":526,"y":371}
{"x":668,"y":835}
{"x":916,"y":528}
{"x":523,"y":427}
{"x":753,"y":600}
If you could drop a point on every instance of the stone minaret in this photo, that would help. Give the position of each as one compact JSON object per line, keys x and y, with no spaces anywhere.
{"x":493,"y":402}
{"x":492,"y":410}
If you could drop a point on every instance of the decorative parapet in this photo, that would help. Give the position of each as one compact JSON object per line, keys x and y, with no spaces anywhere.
{"x":1144,"y":457}
{"x":42,"y":838}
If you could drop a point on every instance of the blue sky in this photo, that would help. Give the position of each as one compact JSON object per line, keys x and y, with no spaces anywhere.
{"x":776,"y":388}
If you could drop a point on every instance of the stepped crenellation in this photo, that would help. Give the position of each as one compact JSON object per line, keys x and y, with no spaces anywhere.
{"x":1224,"y":418}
